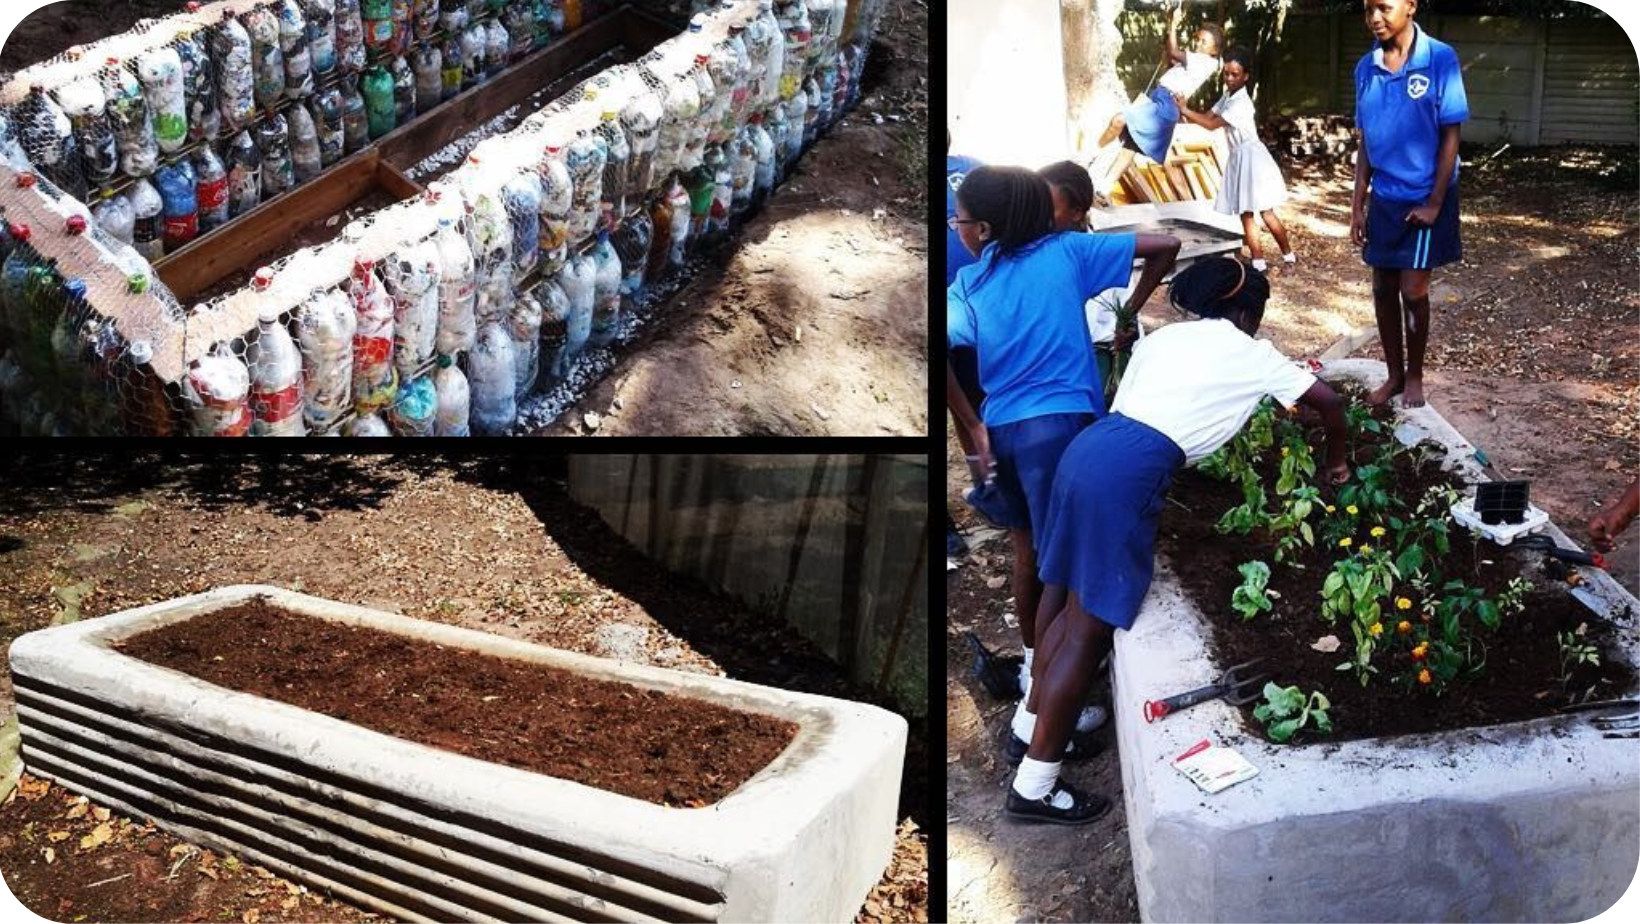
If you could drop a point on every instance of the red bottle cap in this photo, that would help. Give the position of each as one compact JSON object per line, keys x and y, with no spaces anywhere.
{"x":76,"y":224}
{"x":20,"y":231}
{"x":26,"y":179}
{"x":263,"y":279}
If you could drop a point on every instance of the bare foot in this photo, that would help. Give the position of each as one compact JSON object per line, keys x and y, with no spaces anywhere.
{"x":1380,"y":396}
{"x":1414,"y":394}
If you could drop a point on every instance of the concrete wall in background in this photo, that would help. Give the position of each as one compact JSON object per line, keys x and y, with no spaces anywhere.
{"x":837,"y":545}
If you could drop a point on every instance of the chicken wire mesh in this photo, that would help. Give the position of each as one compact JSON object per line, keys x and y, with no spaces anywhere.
{"x":483,"y":306}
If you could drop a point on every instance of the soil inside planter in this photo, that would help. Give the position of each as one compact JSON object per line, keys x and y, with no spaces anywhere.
{"x":670,"y":750}
{"x":1521,"y":677}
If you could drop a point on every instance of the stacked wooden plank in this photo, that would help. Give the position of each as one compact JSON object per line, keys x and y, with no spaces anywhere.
{"x":1193,"y":171}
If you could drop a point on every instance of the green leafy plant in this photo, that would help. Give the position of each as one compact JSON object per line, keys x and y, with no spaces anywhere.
{"x":1370,"y":491}
{"x":1291,"y":525}
{"x":1253,"y":596}
{"x":1297,"y":463}
{"x":1354,"y":590}
{"x":1250,"y":514}
{"x":1575,"y":650}
{"x":1286,"y":710}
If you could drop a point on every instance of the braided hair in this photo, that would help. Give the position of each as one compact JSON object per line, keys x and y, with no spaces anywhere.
{"x":1073,"y":182}
{"x":1219,"y":288}
{"x":1014,"y":201}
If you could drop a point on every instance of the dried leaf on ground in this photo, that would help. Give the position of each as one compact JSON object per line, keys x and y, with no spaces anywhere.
{"x":99,"y":836}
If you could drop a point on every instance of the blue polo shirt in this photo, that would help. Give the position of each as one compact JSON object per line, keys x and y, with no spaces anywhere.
{"x":1026,"y":321}
{"x":1400,"y":115}
{"x":956,"y":255}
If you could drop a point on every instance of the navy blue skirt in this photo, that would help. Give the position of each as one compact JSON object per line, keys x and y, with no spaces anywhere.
{"x":1150,"y":123}
{"x":1100,"y":536}
{"x":1394,"y":244}
{"x":1027,"y":455}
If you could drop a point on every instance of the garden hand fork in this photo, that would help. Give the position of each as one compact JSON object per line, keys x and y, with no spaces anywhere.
{"x":1233,"y":685}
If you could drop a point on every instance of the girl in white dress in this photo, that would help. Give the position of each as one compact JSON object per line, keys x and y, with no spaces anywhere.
{"x":1252,"y":181}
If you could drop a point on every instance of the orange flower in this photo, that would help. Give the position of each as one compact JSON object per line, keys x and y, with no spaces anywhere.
{"x":1424,"y":677}
{"x":1403,"y":627}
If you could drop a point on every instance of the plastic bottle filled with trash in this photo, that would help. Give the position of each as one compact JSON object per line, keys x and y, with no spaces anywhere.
{"x":549,"y":21}
{"x":424,"y":19}
{"x":452,"y":17}
{"x":147,"y":206}
{"x":355,"y":117}
{"x":403,"y":28}
{"x":428,"y":65}
{"x":178,"y":194}
{"x":683,"y":228}
{"x":267,"y":61}
{"x":812,"y":111}
{"x":377,"y":16}
{"x":325,"y":325}
{"x":631,"y":242}
{"x":216,"y":392}
{"x":306,"y":158}
{"x":821,"y":13}
{"x":128,"y":117}
{"x":278,"y":172}
{"x":606,"y":306}
{"x":474,"y":45}
{"x":780,"y":134}
{"x":350,"y":52}
{"x":519,"y":20}
{"x":617,"y":160}
{"x":679,"y":112}
{"x":742,"y":174}
{"x":696,"y":147}
{"x":640,"y":120}
{"x":554,"y":330}
{"x":557,"y":193}
{"x":797,"y":109}
{"x":415,"y":409}
{"x":14,"y":275}
{"x":763,"y":154}
{"x":766,"y":45}
{"x":450,"y":68}
{"x":244,"y":163}
{"x":489,"y":232}
{"x":579,"y":282}
{"x":379,"y":102}
{"x":522,"y":199}
{"x":839,"y":91}
{"x":702,"y":184}
{"x":276,"y":379}
{"x":326,"y":111}
{"x":726,"y":77}
{"x":491,"y":380}
{"x":412,"y":278}
{"x":454,"y":399}
{"x":321,"y":36}
{"x":524,"y":324}
{"x":794,"y":27}
{"x":457,"y":290}
{"x":723,"y":187}
{"x":116,"y":218}
{"x":404,"y":90}
{"x":82,"y":103}
{"x":367,"y":425}
{"x":210,"y":189}
{"x":230,"y":47}
{"x":660,"y":241}
{"x":584,"y":159}
{"x":293,"y":46}
{"x":497,"y":45}
{"x":374,"y":378}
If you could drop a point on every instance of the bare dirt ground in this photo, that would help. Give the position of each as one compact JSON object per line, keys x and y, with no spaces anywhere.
{"x":1535,"y":357}
{"x":817,"y":325}
{"x":492,"y":544}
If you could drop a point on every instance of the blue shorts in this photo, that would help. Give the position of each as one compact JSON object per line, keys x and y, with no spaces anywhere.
{"x":1027,"y":454}
{"x":1100,"y":536}
{"x":1394,"y":244}
{"x":1150,"y":123}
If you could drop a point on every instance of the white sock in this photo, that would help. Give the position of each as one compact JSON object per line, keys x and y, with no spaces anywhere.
{"x":1289,"y":257}
{"x":1025,"y":672}
{"x":1024,"y":723}
{"x":1260,"y":265}
{"x":1030,"y":657}
{"x":1035,"y":779}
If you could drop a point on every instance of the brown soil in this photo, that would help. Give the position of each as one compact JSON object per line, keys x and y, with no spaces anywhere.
{"x":1521,"y":675}
{"x":670,"y":750}
{"x":814,"y":322}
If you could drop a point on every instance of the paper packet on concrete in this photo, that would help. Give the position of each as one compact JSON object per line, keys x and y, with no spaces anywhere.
{"x":1213,"y":767}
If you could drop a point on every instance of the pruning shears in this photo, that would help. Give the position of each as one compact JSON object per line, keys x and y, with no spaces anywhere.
{"x":1234,"y":686}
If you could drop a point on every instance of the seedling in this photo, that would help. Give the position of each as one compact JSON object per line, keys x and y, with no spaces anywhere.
{"x":1253,"y":596}
{"x":1286,"y":710}
{"x":1575,"y":650}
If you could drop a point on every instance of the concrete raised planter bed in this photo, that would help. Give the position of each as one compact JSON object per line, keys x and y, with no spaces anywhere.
{"x":1528,"y":821}
{"x":425,"y":834}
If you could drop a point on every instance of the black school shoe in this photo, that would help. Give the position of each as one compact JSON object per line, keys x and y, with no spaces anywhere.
{"x":1085,"y":807}
{"x":1082,"y":746}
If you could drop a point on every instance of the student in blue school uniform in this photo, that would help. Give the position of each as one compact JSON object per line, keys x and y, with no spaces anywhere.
{"x":1189,"y":388}
{"x":1409,"y":109}
{"x":1019,"y":306}
{"x":960,"y":361}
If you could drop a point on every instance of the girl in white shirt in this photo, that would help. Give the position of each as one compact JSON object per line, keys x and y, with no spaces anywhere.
{"x":1252,"y":181}
{"x":1188,"y":390}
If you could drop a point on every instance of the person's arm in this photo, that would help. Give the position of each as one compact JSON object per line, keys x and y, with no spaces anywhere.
{"x":1158,"y":251}
{"x":980,"y":466}
{"x":1358,"y":201}
{"x":1208,"y":120}
{"x":1171,"y":54}
{"x":1605,"y":526}
{"x":1445,"y":161}
{"x":1324,"y":401}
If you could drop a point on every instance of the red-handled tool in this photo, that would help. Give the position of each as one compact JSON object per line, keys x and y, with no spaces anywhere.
{"x":1234,"y":686}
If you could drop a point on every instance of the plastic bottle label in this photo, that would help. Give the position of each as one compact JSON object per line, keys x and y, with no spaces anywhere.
{"x":181,"y":228}
{"x":274,"y":406}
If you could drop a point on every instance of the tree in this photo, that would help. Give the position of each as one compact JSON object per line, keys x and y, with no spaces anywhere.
{"x":1093,"y":90}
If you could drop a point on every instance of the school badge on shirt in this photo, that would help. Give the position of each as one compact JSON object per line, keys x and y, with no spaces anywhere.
{"x":1417,"y":86}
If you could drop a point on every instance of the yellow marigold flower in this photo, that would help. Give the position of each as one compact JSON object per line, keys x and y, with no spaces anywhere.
{"x":1377,"y":531}
{"x":1346,"y":542}
{"x":1376,"y":629}
{"x":1331,"y":509}
{"x":1402,"y":603}
{"x":1352,"y":510}
{"x":1403,"y":627}
{"x":1366,"y":550}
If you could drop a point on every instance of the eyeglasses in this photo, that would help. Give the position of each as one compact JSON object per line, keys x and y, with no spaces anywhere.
{"x":953,"y":222}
